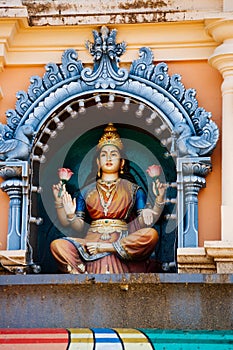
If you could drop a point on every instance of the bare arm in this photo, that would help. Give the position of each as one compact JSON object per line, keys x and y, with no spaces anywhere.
{"x":148,"y":216}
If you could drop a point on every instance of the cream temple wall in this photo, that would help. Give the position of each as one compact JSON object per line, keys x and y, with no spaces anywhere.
{"x":195,"y":39}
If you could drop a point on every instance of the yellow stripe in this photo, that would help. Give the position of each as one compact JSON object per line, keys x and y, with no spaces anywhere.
{"x":80,"y":331}
{"x":127,"y":330}
{"x":133,"y":339}
{"x":81,"y":339}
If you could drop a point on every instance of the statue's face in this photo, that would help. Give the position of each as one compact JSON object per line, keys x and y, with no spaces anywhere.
{"x":109,"y":159}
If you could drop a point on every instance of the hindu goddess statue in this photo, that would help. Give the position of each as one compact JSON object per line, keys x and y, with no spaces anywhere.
{"x":120,"y":237}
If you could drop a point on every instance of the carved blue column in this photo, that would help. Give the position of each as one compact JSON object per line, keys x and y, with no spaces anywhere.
{"x":16,"y":186}
{"x":191,"y":178}
{"x":13,"y":188}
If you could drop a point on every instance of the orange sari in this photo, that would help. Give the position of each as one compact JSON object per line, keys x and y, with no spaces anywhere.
{"x":133,"y":245}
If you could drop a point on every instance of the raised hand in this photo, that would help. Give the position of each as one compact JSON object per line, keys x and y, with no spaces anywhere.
{"x":68,"y":203}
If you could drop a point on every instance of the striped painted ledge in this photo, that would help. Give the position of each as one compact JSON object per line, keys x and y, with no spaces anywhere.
{"x":114,"y":339}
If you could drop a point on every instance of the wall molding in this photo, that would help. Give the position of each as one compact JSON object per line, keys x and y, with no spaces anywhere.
{"x":23,"y":45}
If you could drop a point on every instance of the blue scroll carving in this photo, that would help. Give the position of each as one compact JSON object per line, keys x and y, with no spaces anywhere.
{"x":196,"y":133}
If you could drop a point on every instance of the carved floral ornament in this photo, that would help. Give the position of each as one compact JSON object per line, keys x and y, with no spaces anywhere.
{"x":184,"y":128}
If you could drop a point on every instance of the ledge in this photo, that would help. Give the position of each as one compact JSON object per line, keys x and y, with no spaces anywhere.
{"x":166,"y":301}
{"x":163,"y":278}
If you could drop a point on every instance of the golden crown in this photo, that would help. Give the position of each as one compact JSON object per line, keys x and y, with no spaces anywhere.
{"x":110,"y":137}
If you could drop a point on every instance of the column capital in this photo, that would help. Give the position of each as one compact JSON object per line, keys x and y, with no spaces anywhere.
{"x":220,"y":29}
{"x":222,"y":32}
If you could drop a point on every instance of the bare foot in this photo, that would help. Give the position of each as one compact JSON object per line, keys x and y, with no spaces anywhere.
{"x":98,"y":247}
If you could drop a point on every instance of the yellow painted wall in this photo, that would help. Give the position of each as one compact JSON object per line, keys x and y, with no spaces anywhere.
{"x":195,"y":74}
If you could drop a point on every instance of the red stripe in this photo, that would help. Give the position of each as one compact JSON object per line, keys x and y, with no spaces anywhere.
{"x":33,"y":331}
{"x":33,"y":341}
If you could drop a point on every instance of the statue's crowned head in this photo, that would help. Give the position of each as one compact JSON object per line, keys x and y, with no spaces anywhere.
{"x":110,"y":137}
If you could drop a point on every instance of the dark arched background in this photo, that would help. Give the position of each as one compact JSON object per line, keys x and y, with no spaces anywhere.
{"x":142,"y":149}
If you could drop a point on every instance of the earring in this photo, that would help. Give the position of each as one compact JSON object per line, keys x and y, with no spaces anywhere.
{"x":122,"y":171}
{"x":98,"y":172}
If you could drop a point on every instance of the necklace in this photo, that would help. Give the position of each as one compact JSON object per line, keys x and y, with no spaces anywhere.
{"x":110,"y":186}
{"x":109,"y":194}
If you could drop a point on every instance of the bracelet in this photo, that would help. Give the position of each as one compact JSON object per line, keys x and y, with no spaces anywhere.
{"x":159,"y":204}
{"x":71,"y":219}
{"x":59,"y":205}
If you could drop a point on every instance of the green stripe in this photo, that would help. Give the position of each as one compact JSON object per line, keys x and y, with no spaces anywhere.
{"x":190,"y":340}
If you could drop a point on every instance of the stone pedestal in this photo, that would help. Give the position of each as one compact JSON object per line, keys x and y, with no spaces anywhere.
{"x":194,"y":260}
{"x":13,"y":261}
{"x":222,"y":253}
{"x":214,"y":257}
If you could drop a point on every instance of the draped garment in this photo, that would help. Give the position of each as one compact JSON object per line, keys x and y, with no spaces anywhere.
{"x":133,"y":245}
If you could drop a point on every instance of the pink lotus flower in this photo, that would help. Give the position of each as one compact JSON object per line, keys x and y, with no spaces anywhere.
{"x":64,"y":175}
{"x":154,"y":171}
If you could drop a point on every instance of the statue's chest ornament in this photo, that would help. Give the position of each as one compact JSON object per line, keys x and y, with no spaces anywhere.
{"x":106,"y":191}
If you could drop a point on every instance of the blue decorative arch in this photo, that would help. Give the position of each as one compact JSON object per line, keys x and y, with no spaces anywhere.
{"x":192,"y":135}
